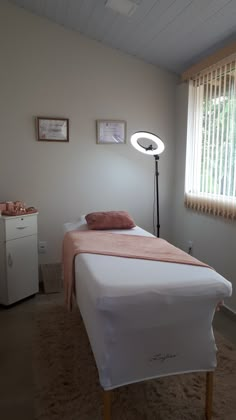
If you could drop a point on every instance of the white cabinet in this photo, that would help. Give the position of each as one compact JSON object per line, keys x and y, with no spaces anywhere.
{"x":18,"y":258}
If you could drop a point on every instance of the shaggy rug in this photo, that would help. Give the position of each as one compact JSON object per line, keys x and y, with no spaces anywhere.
{"x":67,"y":386}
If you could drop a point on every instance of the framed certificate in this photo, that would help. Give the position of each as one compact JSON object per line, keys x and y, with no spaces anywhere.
{"x":52,"y":129}
{"x":111,"y":131}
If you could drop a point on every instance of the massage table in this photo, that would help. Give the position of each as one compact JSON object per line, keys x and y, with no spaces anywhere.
{"x":147,"y":319}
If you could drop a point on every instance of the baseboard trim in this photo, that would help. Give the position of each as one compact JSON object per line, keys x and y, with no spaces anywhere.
{"x":229,"y":312}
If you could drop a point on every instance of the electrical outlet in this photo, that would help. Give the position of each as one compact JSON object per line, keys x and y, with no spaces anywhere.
{"x":190,"y":246}
{"x":42,"y":247}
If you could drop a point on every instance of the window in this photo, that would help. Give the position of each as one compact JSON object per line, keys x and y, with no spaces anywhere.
{"x":210,"y":184}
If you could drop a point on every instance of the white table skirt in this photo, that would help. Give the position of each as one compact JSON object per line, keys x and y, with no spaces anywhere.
{"x":147,"y":319}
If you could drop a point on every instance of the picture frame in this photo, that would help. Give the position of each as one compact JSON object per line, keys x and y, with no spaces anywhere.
{"x":52,"y":129}
{"x":111,"y":131}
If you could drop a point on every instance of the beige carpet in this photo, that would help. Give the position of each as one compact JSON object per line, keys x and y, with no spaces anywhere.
{"x":67,"y":386}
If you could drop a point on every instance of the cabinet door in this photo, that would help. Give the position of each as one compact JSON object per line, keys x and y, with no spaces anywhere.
{"x":22,"y":267}
{"x":3,"y":283}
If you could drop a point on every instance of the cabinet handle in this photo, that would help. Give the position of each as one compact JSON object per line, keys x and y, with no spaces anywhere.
{"x":21,"y":227}
{"x":10,"y":260}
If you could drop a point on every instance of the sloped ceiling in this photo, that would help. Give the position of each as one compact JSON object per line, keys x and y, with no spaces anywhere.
{"x":173,"y":34}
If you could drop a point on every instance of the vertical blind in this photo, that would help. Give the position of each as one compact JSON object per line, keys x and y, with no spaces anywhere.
{"x":210,"y":182}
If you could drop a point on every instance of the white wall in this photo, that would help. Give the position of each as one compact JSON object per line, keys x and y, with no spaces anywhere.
{"x":214,"y":238}
{"x":47,"y":70}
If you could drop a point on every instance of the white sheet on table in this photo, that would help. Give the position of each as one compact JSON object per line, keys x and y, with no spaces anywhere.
{"x":145,"y":318}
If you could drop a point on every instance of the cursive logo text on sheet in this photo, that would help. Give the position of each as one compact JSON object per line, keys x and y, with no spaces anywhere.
{"x":162,"y":357}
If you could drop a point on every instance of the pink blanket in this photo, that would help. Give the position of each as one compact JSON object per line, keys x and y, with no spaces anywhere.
{"x":119,"y":245}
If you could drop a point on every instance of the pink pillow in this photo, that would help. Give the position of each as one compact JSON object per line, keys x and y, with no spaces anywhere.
{"x":109,"y":220}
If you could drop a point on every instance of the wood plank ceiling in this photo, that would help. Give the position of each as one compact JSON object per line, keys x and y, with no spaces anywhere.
{"x":173,"y":34}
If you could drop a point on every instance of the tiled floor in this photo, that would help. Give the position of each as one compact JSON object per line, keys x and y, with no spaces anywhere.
{"x":16,"y":330}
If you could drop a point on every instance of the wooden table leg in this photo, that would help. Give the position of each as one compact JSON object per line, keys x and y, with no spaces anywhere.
{"x":209,"y":395}
{"x":107,"y":404}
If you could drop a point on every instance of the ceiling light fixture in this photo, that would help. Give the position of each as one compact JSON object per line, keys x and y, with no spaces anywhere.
{"x":124,"y":7}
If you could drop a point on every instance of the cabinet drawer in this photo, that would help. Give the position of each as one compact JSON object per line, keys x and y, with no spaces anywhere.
{"x":21,"y":226}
